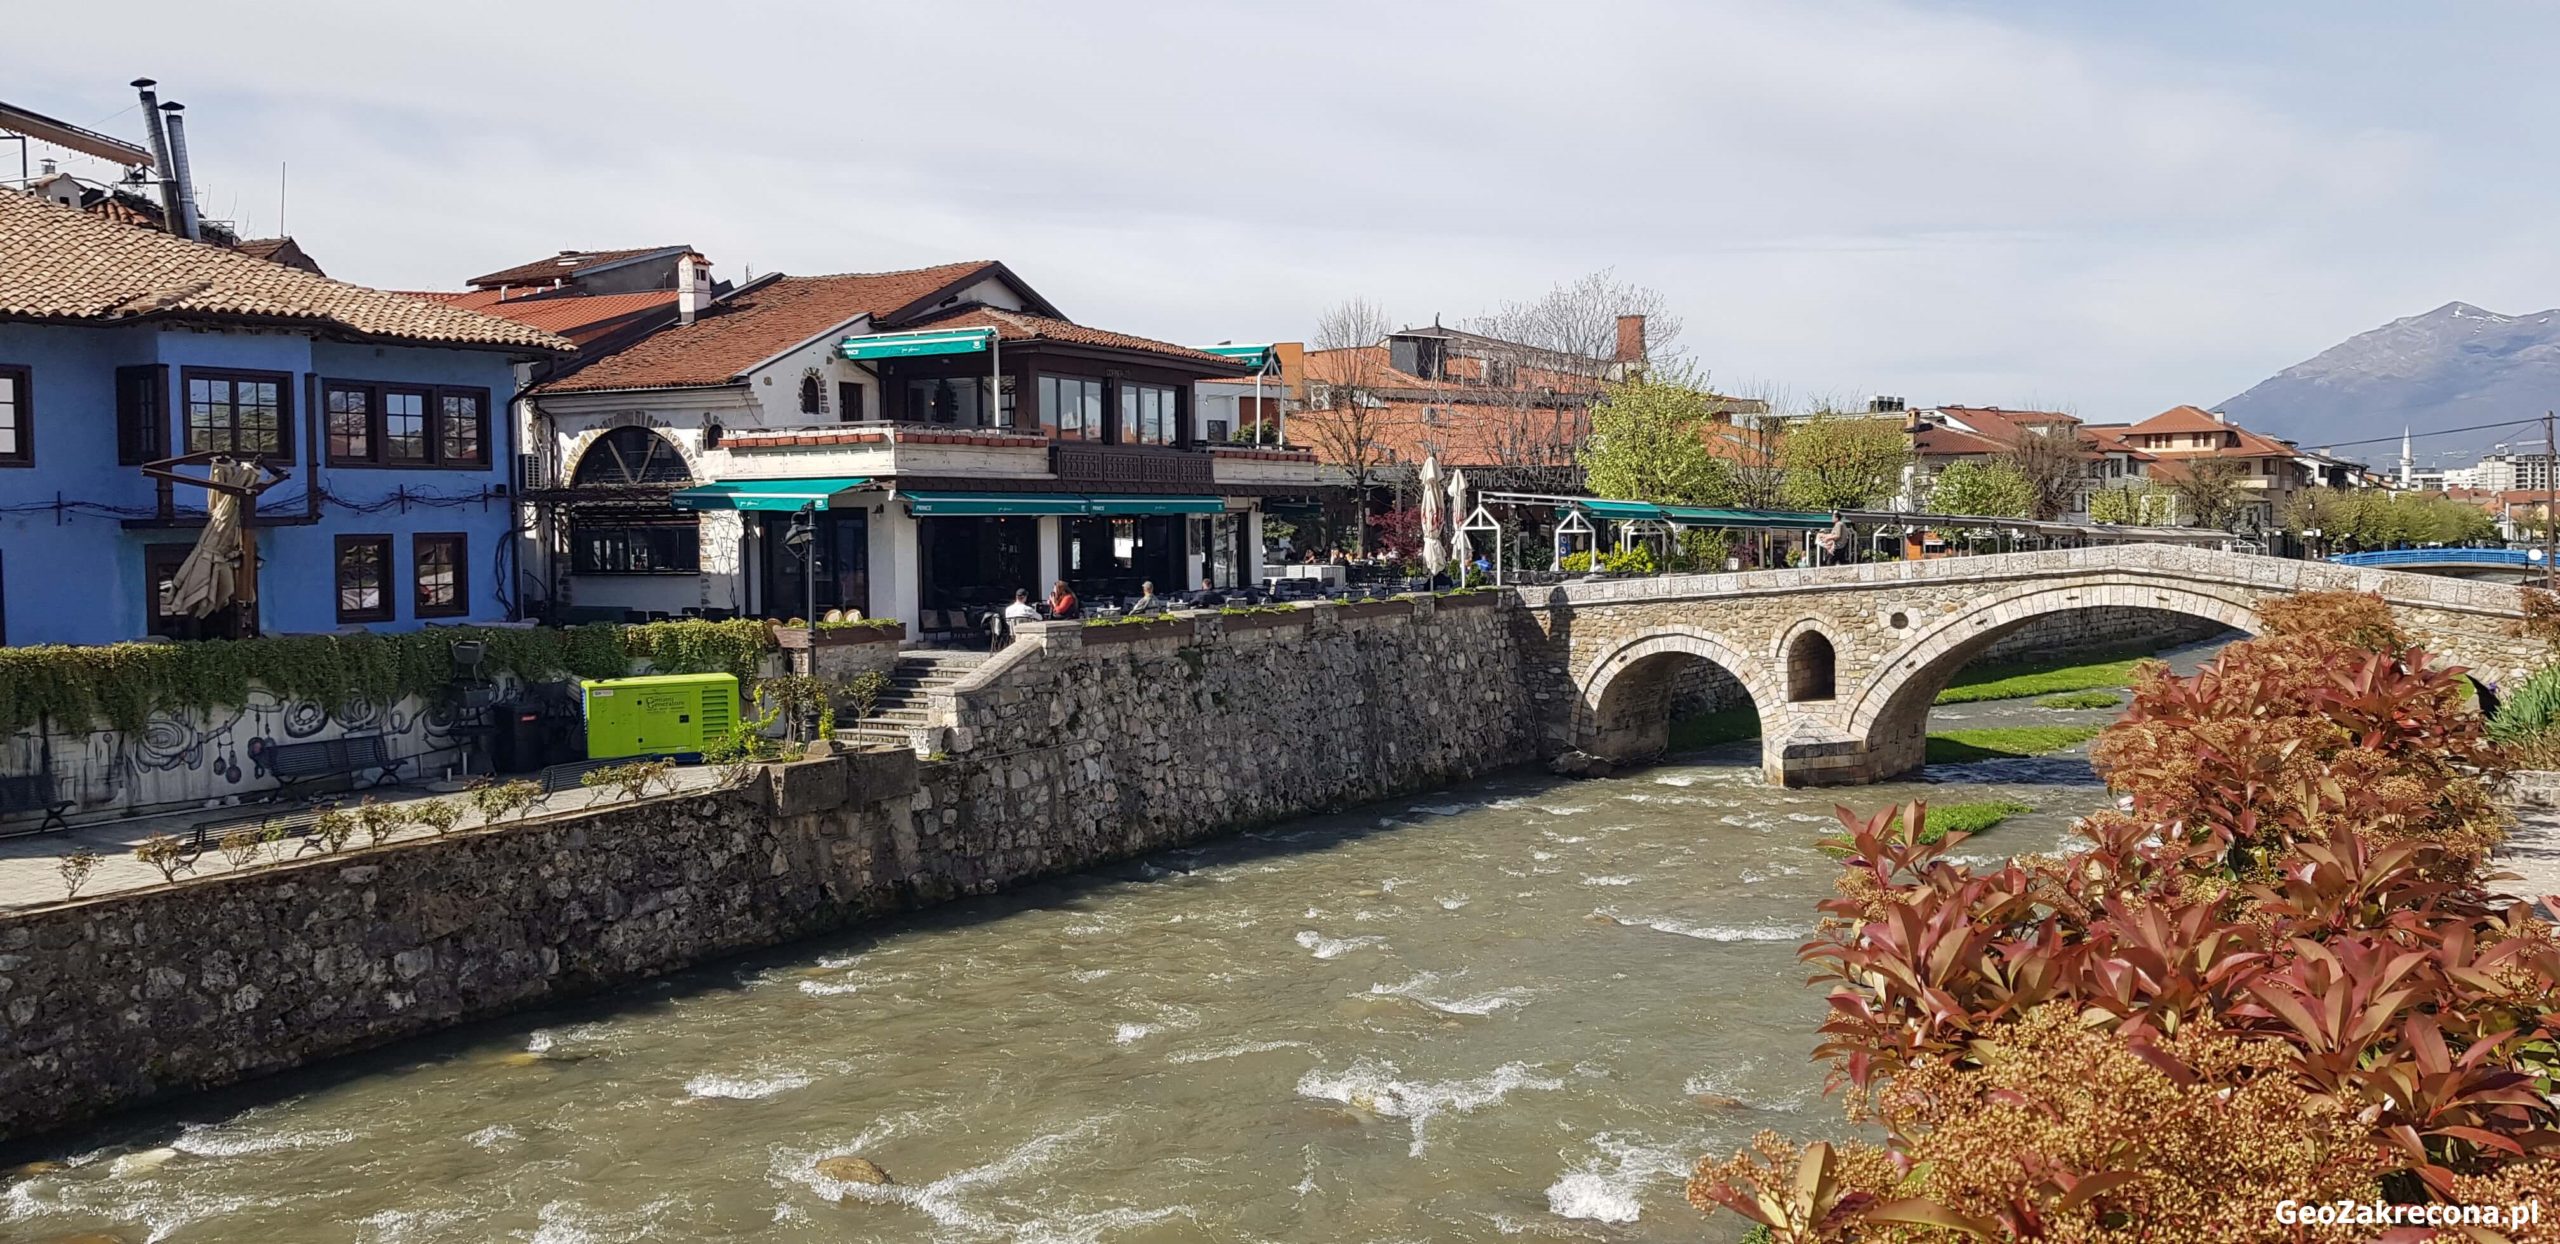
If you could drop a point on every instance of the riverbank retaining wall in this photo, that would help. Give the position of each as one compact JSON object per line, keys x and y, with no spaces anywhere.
{"x":1072,"y":748}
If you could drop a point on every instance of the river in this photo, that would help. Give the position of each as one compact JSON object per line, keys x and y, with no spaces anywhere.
{"x":1518,"y":1009}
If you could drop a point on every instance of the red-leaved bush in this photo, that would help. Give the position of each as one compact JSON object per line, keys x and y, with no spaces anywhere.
{"x":2280,"y":976}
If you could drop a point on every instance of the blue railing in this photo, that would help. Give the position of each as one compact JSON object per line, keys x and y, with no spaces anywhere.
{"x":2442,"y":557}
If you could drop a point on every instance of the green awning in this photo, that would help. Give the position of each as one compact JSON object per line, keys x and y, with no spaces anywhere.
{"x":1128,"y":504}
{"x":1619,"y":511}
{"x":1781,"y":520}
{"x":912,"y":345}
{"x":1033,"y":504}
{"x":991,"y":504}
{"x":1259,"y":358}
{"x":763,"y":494}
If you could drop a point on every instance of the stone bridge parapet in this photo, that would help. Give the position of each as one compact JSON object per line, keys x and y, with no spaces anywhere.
{"x":1842,"y":662}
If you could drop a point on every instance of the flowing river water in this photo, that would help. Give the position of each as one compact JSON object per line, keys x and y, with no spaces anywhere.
{"x":1517,"y":1009}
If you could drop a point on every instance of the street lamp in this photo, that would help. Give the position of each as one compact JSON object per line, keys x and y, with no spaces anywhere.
{"x":802,"y":540}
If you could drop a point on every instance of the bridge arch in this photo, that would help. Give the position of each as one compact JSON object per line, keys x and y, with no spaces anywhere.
{"x":1624,"y":709}
{"x":1890,"y":713}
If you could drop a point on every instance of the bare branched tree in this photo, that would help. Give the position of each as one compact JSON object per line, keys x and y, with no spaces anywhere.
{"x":2056,"y":470}
{"x":1346,"y":409}
{"x":1539,"y":366}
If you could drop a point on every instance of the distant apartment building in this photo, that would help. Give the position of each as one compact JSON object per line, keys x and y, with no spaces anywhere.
{"x":2509,"y":471}
{"x":2272,"y":470}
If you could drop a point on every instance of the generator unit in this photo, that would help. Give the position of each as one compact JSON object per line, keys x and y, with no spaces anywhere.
{"x":658,"y":714}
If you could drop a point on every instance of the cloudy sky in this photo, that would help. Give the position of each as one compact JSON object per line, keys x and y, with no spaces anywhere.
{"x":2105,"y":206}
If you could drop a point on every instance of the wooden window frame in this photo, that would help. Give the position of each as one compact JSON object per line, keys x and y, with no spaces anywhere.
{"x":22,"y":410}
{"x":338,"y":579}
{"x":142,"y":436}
{"x":418,"y":545}
{"x":432,"y":397}
{"x":185,"y":407}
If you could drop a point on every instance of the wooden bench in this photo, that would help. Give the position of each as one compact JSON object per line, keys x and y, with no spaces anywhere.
{"x":295,"y":763}
{"x":296,"y":821}
{"x":34,"y":792}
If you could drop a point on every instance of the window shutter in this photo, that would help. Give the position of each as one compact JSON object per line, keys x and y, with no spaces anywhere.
{"x":142,"y":413}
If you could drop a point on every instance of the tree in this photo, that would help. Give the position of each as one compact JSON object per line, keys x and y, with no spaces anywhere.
{"x":1649,"y":443}
{"x":1839,"y":462}
{"x":2209,"y":491}
{"x":1541,"y":365}
{"x":1993,"y":487}
{"x":2054,"y":469}
{"x":1346,"y":412}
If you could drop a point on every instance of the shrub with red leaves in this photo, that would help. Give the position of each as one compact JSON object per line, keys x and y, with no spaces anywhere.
{"x":2280,"y":976}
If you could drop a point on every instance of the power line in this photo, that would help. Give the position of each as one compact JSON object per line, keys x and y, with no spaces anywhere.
{"x":2420,"y":436}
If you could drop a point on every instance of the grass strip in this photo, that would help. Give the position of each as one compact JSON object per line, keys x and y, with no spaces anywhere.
{"x":1959,"y":747}
{"x":1724,"y":725}
{"x":2081,"y":699}
{"x":2013,"y":682}
{"x":1943,"y":819}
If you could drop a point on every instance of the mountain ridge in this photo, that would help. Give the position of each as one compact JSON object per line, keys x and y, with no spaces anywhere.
{"x":2457,"y":366}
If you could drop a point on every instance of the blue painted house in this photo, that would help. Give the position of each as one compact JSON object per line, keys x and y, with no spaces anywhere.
{"x":386,"y":415}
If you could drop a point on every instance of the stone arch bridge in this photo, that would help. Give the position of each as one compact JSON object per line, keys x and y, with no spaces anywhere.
{"x":1843,"y":662}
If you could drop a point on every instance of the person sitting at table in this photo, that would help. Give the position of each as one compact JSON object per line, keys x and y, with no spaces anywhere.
{"x":1210,"y":597}
{"x":1148,"y":601}
{"x":1062,"y":603}
{"x":1020,"y":610}
{"x":1311,"y":558}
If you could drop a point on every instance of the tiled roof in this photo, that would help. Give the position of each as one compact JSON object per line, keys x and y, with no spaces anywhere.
{"x":2110,"y":439}
{"x":1024,"y":326}
{"x":2178,"y":419}
{"x":57,"y":263}
{"x":1940,"y":440}
{"x":755,"y":324}
{"x":557,"y":267}
{"x":574,"y":316}
{"x":280,"y":250}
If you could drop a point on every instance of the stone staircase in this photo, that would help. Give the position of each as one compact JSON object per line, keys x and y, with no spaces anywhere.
{"x":901,"y":706}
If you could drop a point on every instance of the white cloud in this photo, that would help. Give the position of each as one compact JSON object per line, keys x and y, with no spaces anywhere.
{"x":1848,"y":196}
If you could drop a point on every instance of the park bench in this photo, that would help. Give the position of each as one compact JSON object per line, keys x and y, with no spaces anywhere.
{"x":34,"y":792}
{"x":296,"y":763}
{"x":297,"y":821}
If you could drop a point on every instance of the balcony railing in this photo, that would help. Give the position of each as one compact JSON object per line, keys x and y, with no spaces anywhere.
{"x":1122,"y":466}
{"x":877,"y":433}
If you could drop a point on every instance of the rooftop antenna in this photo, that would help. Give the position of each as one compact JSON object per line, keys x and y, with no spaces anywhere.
{"x":280,"y":229}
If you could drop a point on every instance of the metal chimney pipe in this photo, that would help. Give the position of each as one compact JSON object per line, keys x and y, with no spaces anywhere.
{"x":183,"y":172}
{"x":160,"y":153}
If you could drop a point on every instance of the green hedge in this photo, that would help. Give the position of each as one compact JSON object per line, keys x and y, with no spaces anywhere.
{"x":123,"y":684}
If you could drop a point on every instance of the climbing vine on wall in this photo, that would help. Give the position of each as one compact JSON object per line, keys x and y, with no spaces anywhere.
{"x":121,"y":685}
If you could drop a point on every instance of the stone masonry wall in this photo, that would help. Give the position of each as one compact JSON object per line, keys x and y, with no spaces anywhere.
{"x":1145,"y":736}
{"x":1071,"y":754}
{"x":2097,"y":630}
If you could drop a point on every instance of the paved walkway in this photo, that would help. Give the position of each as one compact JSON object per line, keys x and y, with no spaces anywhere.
{"x":30,"y":864}
{"x":2533,"y":851}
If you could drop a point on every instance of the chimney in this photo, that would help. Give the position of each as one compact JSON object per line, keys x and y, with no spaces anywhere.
{"x":182,"y":173}
{"x":693,"y":286}
{"x":167,"y":168}
{"x":1630,"y":339}
{"x":2219,"y":417}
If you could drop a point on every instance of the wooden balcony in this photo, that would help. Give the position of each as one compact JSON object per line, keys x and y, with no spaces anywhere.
{"x":1139,"y":467}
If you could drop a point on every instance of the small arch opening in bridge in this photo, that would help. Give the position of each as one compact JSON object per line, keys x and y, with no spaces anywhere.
{"x":1812,"y":666}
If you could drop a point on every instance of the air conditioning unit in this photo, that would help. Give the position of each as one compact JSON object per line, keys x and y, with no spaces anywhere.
{"x":529,"y":472}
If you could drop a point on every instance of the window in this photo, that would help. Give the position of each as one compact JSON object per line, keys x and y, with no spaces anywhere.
{"x":364,"y":578}
{"x":160,"y":564}
{"x":1071,"y":409}
{"x":813,"y":393}
{"x":1147,"y":414}
{"x":240,"y":412}
{"x":371,"y":425}
{"x":848,"y":401}
{"x":439,"y":564}
{"x":17,"y":417}
{"x":142,"y":414}
{"x":1217,"y":432}
{"x":960,"y":400}
{"x":350,"y":409}
{"x":640,"y":543}
{"x":404,"y":426}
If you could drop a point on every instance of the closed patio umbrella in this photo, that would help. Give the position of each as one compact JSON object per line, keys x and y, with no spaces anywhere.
{"x":210,"y":577}
{"x":1434,"y":553}
{"x":1458,"y":551}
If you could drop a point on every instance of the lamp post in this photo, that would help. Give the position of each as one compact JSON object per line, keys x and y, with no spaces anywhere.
{"x":802,"y":540}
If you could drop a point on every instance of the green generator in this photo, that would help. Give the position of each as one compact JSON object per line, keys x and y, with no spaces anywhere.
{"x":658,"y":714}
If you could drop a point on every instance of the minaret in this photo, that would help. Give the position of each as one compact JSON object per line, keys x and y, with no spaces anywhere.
{"x":2408,"y":464}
